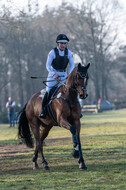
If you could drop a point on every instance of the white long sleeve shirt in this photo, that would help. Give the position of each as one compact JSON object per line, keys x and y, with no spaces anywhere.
{"x":52,"y":56}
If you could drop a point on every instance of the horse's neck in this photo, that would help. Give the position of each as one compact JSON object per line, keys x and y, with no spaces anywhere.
{"x":71,"y":91}
{"x":72,"y":95}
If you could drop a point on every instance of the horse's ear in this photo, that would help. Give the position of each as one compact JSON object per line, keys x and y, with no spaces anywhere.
{"x":88,"y":65}
{"x":79,"y":66}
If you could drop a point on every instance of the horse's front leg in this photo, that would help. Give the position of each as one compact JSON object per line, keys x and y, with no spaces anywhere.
{"x":75,"y":130}
{"x":77,"y":153}
{"x":64,"y":123}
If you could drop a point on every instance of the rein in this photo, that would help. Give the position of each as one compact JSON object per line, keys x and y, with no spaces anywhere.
{"x":83,"y":76}
{"x":44,"y":82}
{"x":67,"y":85}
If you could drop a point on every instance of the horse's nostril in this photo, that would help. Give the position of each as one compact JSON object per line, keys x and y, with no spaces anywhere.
{"x":81,"y":96}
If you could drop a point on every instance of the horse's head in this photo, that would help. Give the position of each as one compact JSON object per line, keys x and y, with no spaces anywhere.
{"x":81,"y":79}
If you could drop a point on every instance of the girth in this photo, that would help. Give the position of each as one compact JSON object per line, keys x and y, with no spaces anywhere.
{"x":50,"y":111}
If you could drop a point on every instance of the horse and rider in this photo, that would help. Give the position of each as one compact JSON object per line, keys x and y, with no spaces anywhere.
{"x":63,"y":109}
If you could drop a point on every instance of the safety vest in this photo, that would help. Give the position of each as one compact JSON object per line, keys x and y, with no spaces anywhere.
{"x":60,"y":62}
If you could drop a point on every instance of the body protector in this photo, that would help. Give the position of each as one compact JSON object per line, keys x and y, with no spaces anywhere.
{"x":60,"y":62}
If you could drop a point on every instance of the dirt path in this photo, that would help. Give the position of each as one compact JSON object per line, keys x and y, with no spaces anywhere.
{"x":10,"y":150}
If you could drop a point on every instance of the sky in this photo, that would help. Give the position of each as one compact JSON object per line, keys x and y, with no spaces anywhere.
{"x":19,"y":4}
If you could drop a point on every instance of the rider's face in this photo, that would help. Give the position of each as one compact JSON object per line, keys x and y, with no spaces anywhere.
{"x":62,"y":46}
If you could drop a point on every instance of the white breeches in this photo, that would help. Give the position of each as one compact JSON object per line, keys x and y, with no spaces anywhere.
{"x":52,"y":82}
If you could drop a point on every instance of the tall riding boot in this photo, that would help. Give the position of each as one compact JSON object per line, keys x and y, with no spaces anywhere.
{"x":44,"y":102}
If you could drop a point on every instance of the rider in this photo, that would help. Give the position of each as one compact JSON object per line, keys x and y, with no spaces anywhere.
{"x":56,"y":65}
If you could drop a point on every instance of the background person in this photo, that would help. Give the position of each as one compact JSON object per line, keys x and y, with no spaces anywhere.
{"x":56,"y":65}
{"x":10,"y":105}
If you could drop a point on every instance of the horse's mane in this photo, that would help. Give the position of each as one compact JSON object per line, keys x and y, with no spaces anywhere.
{"x":71,"y":76}
{"x":79,"y":68}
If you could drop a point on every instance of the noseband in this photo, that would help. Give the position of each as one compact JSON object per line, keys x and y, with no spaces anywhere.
{"x":84,"y":77}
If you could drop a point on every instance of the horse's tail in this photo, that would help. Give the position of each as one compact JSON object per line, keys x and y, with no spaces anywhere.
{"x":24,"y":130}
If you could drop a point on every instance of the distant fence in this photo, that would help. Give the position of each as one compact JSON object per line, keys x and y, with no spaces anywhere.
{"x":90,"y":108}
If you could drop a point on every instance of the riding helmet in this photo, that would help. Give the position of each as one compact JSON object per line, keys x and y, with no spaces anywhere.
{"x":62,"y":38}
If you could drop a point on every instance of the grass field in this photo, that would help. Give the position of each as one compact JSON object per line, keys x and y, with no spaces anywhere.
{"x":103,"y":138}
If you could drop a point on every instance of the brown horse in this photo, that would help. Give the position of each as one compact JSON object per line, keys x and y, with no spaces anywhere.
{"x":64,"y":111}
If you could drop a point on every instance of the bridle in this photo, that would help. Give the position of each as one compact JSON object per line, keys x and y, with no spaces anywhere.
{"x":84,"y":87}
{"x":83,"y":76}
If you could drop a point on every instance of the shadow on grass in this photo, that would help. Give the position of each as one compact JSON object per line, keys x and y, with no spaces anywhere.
{"x":104,"y":167}
{"x":61,"y":160}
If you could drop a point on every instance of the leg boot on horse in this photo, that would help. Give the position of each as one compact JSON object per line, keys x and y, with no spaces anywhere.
{"x":44,"y":102}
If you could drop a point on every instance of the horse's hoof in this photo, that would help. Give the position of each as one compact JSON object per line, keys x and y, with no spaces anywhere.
{"x":35,"y":166}
{"x":46,"y":168}
{"x":82,"y":166}
{"x":75,"y":153}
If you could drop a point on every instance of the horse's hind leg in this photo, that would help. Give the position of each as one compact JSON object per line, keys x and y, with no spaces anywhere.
{"x":36,"y":131}
{"x":34,"y":159}
{"x":43,"y":135}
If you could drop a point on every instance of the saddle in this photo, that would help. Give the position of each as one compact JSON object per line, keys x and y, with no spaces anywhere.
{"x":52,"y":93}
